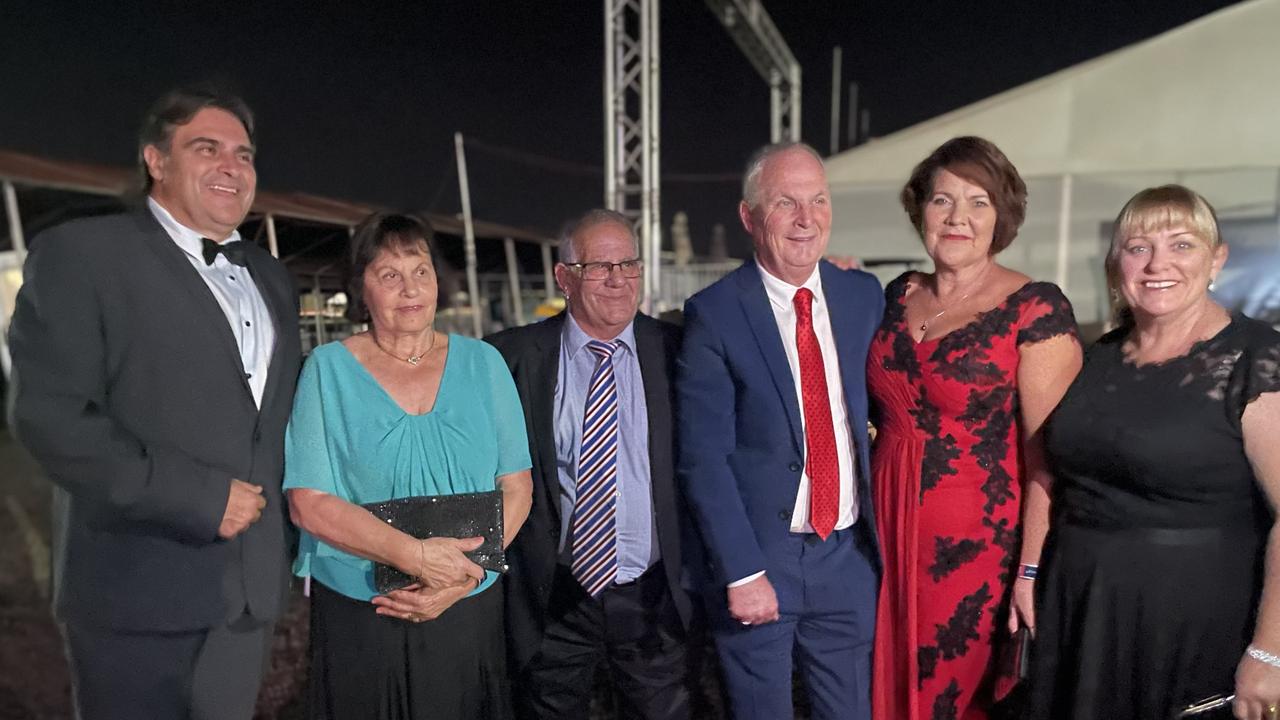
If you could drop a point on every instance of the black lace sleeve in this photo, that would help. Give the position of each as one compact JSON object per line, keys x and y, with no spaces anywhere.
{"x":1044,"y":313}
{"x":894,"y":311}
{"x":1257,"y":370}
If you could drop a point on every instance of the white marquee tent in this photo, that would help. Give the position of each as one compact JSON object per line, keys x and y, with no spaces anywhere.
{"x":1198,"y":105}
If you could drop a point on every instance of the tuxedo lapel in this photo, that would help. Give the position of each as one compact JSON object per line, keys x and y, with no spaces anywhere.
{"x":208,"y":313}
{"x":275,"y":364}
{"x":755,"y":304}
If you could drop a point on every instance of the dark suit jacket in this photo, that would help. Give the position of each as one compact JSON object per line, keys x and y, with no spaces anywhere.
{"x":740,"y":435}
{"x":533,"y":354}
{"x":131,"y":394}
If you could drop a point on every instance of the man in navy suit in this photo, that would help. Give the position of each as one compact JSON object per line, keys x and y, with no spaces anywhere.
{"x":773,"y":451}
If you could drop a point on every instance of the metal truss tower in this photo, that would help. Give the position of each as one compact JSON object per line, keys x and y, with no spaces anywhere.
{"x":631,"y":126}
{"x":759,"y":39}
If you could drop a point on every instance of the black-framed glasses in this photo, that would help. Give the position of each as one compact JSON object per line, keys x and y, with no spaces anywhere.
{"x":602,"y":270}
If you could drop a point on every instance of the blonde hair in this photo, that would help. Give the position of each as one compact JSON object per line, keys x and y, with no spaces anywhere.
{"x":1153,"y":210}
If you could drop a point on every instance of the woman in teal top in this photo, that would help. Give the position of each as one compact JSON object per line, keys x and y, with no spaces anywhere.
{"x":402,"y":411}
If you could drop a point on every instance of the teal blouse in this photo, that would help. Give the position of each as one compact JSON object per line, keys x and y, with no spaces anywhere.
{"x":348,"y":437}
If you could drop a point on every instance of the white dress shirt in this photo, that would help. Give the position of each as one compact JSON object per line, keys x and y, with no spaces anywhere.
{"x":781,"y":297}
{"x":237,"y":294}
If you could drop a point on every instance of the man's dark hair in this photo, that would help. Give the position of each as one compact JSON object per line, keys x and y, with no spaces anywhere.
{"x":177,"y":107}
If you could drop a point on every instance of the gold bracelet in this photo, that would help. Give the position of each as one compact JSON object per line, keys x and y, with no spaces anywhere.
{"x":422,"y":558}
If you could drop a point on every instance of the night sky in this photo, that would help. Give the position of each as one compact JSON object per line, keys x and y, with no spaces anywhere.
{"x":360,"y":101}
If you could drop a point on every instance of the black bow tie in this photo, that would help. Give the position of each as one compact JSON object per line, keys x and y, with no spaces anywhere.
{"x":234,"y":251}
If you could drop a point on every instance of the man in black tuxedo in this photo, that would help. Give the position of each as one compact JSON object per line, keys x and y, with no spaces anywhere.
{"x":595,"y":573}
{"x":155,"y":356}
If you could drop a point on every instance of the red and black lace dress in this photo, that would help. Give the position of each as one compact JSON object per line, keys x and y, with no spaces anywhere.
{"x":947,"y":484}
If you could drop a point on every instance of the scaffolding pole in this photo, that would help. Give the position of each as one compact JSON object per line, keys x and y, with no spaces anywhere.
{"x":753,"y":30}
{"x":631,"y":108}
{"x":468,"y":237}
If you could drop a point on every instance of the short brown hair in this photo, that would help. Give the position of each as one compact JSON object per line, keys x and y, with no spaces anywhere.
{"x":380,"y":231}
{"x":177,"y":107}
{"x":980,"y":162}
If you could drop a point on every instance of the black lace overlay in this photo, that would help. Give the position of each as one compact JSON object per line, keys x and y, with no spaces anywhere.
{"x":963,"y":354}
{"x":944,"y":706}
{"x":1008,"y":538}
{"x":903,"y":359}
{"x":927,"y":661}
{"x":953,"y":638}
{"x":1059,"y":320}
{"x":940,"y":451}
{"x":949,"y":554}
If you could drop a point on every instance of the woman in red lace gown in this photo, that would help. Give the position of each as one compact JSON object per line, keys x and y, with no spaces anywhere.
{"x":968,"y":363}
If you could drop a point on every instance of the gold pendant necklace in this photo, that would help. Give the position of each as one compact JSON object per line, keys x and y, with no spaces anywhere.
{"x":412,"y":359}
{"x":924,"y":326}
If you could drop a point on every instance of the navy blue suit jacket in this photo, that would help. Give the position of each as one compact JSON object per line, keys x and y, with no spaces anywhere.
{"x":741,"y":442}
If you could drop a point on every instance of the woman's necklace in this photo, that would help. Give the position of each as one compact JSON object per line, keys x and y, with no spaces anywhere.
{"x":412,"y":359}
{"x":924,"y":326}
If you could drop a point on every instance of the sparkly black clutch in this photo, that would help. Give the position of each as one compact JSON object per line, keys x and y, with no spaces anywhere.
{"x":458,"y":516}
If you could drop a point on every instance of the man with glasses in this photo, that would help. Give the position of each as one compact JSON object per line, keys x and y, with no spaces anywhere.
{"x":595,"y":573}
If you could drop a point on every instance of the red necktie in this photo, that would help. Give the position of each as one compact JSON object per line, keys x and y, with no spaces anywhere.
{"x":823,"y":465}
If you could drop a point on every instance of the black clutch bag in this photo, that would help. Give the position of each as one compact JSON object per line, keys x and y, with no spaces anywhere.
{"x":459,"y":516}
{"x":1013,"y":663}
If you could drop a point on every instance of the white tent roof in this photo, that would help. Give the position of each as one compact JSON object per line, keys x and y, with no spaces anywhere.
{"x":1204,"y":95}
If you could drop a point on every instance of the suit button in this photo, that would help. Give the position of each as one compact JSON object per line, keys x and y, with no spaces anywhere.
{"x":784,"y":515}
{"x":794,"y":467}
{"x":257,"y":436}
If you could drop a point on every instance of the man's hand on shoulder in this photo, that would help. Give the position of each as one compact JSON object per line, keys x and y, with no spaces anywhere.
{"x":753,"y":603}
{"x":244,"y":507}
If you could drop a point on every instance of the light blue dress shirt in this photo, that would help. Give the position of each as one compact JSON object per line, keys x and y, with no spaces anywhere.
{"x":349,"y":438}
{"x":237,"y":294}
{"x":635,"y":523}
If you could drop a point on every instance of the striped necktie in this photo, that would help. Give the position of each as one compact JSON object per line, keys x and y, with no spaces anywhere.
{"x":595,"y":551}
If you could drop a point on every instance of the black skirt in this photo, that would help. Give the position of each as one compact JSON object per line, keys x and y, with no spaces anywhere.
{"x":367,"y":666}
{"x":1139,"y":623}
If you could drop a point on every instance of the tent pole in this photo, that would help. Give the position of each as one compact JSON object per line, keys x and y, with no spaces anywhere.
{"x":15,"y":220}
{"x":548,"y":276}
{"x":513,"y":276}
{"x":468,"y":236}
{"x":1064,"y":233}
{"x":273,"y":244}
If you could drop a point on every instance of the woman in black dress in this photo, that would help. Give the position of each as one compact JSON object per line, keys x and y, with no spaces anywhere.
{"x":1166,"y":455}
